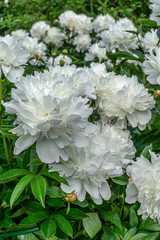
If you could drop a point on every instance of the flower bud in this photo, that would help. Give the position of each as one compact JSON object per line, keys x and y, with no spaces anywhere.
{"x":39,"y":56}
{"x":157,"y":94}
{"x":62,"y":62}
{"x":130,"y":180}
{"x":71,"y":197}
{"x":56,"y":20}
{"x":54,"y":54}
{"x":71,"y":29}
{"x":65,"y":51}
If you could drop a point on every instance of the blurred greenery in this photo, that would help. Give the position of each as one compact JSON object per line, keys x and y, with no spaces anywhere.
{"x":23,"y":13}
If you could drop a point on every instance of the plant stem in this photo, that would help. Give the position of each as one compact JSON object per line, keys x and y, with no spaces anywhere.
{"x":17,"y":233}
{"x":91,"y":1}
{"x":1,"y":121}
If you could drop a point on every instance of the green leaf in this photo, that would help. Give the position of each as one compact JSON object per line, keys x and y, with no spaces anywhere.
{"x":56,"y":202}
{"x":74,"y":213}
{"x":32,"y":206}
{"x":38,"y":186}
{"x":139,"y":236}
{"x":92,"y":224}
{"x":36,"y":162}
{"x":20,"y":187}
{"x":113,"y":218}
{"x":133,"y":220}
{"x":130,"y":233}
{"x":120,"y":180}
{"x":55,"y":192}
{"x":48,"y":228}
{"x":35,"y":218}
{"x":152,"y":236}
{"x":150,"y":225}
{"x":29,"y":236}
{"x":148,"y":22}
{"x":55,"y":176}
{"x":11,"y":174}
{"x":18,"y":213}
{"x":83,"y":204}
{"x":109,"y":235}
{"x":126,"y":55}
{"x":145,"y":151}
{"x":63,"y":224}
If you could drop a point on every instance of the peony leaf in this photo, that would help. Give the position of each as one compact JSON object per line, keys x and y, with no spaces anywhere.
{"x":11,"y":174}
{"x":35,"y":218}
{"x":130,"y":233}
{"x":38,"y":186}
{"x":63,"y":224}
{"x":133,"y":218}
{"x":48,"y":228}
{"x":92,"y":224}
{"x":20,"y":187}
{"x":113,"y":218}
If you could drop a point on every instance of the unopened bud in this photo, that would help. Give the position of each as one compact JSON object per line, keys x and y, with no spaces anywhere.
{"x":39,"y":56}
{"x":130,"y":180}
{"x":157,"y":94}
{"x":71,"y":29}
{"x":71,"y":197}
{"x":54,"y":54}
{"x":62,"y":62}
{"x":56,"y":20}
{"x":65,"y":51}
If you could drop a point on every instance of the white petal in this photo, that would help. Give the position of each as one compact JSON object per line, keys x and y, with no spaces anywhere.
{"x":105,"y":191}
{"x":131,"y":193}
{"x":24,"y":142}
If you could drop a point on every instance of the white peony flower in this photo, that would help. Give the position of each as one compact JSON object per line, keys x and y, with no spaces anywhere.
{"x":50,"y":113}
{"x":124,"y":98}
{"x":151,"y":66}
{"x":155,"y":7}
{"x":103,"y":22}
{"x":19,"y":34}
{"x":81,"y":79}
{"x":78,"y":23}
{"x":82,"y":42}
{"x":34,"y":47}
{"x":83,"y":24}
{"x":55,"y":36}
{"x":39,"y":29}
{"x":57,"y":61}
{"x":150,"y":40}
{"x":95,"y":51}
{"x":144,"y":186}
{"x":68,"y":19}
{"x":88,"y":169}
{"x":117,"y":37}
{"x":13,"y":58}
{"x":99,"y":69}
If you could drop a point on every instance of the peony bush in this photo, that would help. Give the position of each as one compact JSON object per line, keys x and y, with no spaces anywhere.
{"x":79,"y":129}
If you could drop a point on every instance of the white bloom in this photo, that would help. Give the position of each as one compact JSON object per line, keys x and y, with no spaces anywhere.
{"x":80,"y":23}
{"x":99,"y":69}
{"x":82,"y":42}
{"x":83,"y":24}
{"x":95,"y":51}
{"x":33,"y":47}
{"x":150,"y":39}
{"x":155,"y":7}
{"x":117,"y":37}
{"x":81,"y":79}
{"x":124,"y":98}
{"x":103,"y":22}
{"x":88,"y":169}
{"x":13,"y":57}
{"x":57,"y":61}
{"x":39,"y":29}
{"x":145,"y":186}
{"x":68,"y":19}
{"x":19,"y":34}
{"x":50,"y":113}
{"x":151,"y":66}
{"x":55,"y":36}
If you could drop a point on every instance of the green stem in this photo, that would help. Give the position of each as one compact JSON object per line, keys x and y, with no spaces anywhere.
{"x":17,"y":233}
{"x":1,"y":121}
{"x":91,"y":1}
